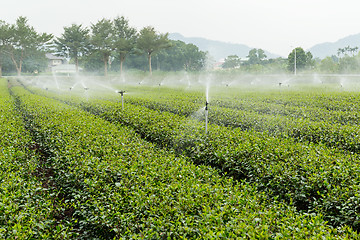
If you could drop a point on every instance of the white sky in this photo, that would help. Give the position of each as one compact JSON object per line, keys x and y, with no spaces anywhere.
{"x":273,"y":25}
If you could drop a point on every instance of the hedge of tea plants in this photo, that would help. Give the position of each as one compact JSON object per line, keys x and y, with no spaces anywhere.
{"x":116,"y":185}
{"x":333,"y":128}
{"x":312,"y":177}
{"x":26,"y":202}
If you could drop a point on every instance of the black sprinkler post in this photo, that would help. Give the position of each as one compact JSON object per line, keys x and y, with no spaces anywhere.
{"x":122,"y":97}
{"x":206,"y":116}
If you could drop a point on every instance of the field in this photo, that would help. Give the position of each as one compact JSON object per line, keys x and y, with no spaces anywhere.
{"x":279,"y":159}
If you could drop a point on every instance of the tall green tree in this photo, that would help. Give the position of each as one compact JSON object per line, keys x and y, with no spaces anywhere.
{"x":303,"y":59}
{"x":25,"y":41}
{"x":180,"y":56}
{"x":256,"y":56}
{"x":102,"y":40}
{"x":124,"y":38}
{"x":232,"y":61}
{"x":195,"y":59}
{"x":5,"y":36}
{"x":150,"y":42}
{"x":74,"y":43}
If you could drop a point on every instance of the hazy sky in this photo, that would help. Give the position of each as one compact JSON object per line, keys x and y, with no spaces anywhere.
{"x":273,"y":25}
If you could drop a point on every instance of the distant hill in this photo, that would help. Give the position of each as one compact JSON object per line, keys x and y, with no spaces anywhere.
{"x":323,"y":50}
{"x":217,"y":49}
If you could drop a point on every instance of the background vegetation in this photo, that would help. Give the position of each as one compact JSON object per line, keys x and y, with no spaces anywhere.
{"x":111,"y":45}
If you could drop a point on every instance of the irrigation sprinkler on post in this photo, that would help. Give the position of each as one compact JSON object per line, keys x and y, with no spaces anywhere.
{"x":206,"y":117}
{"x":122,"y":98}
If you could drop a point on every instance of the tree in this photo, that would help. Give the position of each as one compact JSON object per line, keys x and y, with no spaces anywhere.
{"x":261,"y":54}
{"x":180,"y":56}
{"x":24,"y":41}
{"x":194,"y":58}
{"x":310,"y":61}
{"x":303,"y":59}
{"x":354,"y":50}
{"x":347,"y":50}
{"x":340,"y":51}
{"x":124,"y":38}
{"x":256,"y":56}
{"x":150,"y":42}
{"x":328,"y":65}
{"x":4,"y":42}
{"x":102,"y":40}
{"x":74,"y":43}
{"x":232,"y":61}
{"x":348,"y":64}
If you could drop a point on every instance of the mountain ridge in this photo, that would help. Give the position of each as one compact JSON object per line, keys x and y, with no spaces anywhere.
{"x":328,"y":49}
{"x":220,"y":50}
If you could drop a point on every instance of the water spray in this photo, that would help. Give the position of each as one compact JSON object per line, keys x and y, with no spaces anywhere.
{"x":122,"y":97}
{"x":206,"y":116}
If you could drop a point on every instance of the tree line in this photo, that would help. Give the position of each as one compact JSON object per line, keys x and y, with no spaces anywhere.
{"x":112,"y":44}
{"x":106,"y":45}
{"x":347,"y":60}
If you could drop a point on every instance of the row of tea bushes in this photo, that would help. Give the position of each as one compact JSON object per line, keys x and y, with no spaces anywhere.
{"x":26,"y":206}
{"x":314,"y":178}
{"x":119,"y":186}
{"x":339,"y":135}
{"x":309,"y":107}
{"x":333,"y":101}
{"x":312,"y":106}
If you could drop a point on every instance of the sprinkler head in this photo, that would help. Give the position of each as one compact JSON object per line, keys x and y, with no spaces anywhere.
{"x":86,"y":88}
{"x":280,"y":84}
{"x":121,"y":92}
{"x":70,"y":88}
{"x":206,"y":106}
{"x":46,"y":89}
